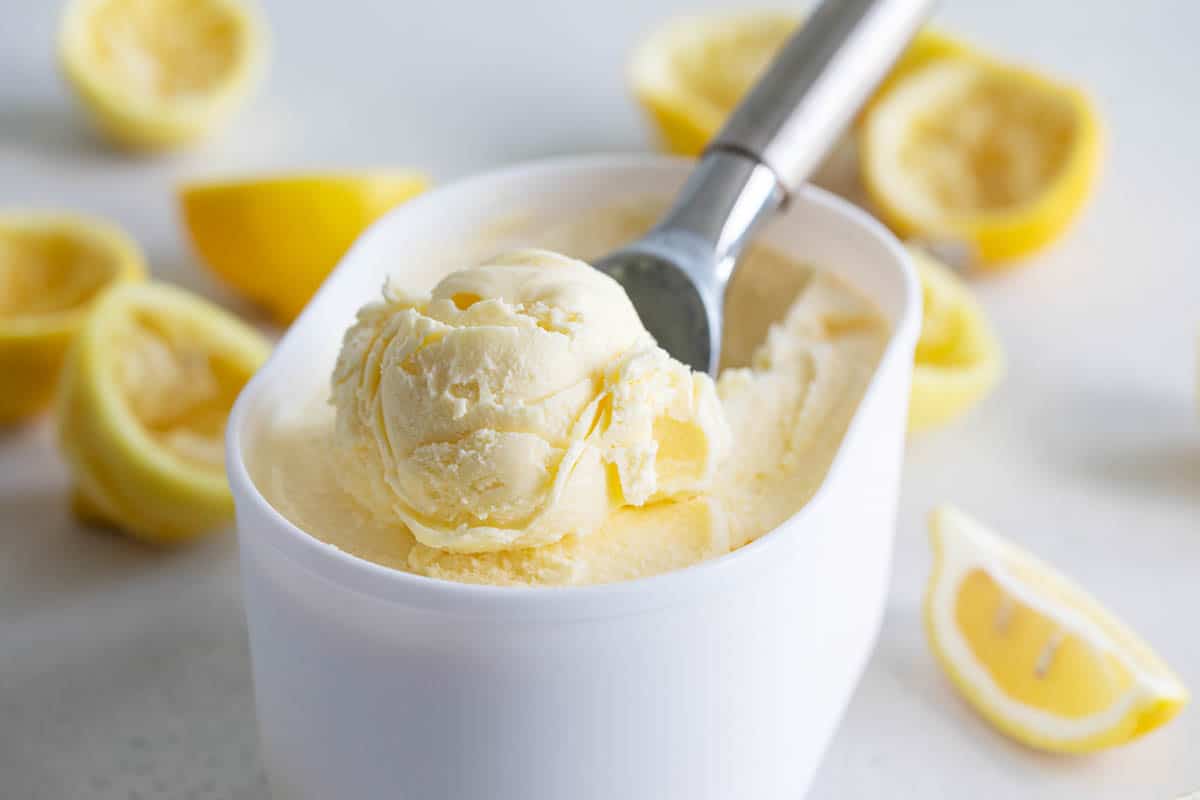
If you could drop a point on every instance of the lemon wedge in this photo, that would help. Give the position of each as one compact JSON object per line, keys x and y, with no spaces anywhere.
{"x":690,"y":74}
{"x":958,"y":357}
{"x":159,"y":73}
{"x":276,"y":239}
{"x":1032,"y":652}
{"x":146,"y":390}
{"x":969,"y":150}
{"x":52,"y":267}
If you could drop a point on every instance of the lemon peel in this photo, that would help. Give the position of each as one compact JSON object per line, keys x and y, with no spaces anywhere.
{"x":155,"y":74}
{"x":958,"y":357}
{"x":1032,"y":652}
{"x":146,"y":389}
{"x":275,"y":239}
{"x":52,"y":267}
{"x":970,"y":149}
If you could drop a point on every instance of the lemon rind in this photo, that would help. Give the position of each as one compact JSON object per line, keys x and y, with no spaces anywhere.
{"x":130,"y":119}
{"x":127,"y":475}
{"x":686,"y":119}
{"x":374,"y":192}
{"x":1154,"y":696}
{"x":126,"y":255}
{"x":999,"y":236}
{"x":284,"y":181}
{"x":33,"y":347}
{"x":941,"y":394}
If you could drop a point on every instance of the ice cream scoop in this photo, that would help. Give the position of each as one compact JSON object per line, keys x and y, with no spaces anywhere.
{"x":676,"y":275}
{"x":521,"y":402}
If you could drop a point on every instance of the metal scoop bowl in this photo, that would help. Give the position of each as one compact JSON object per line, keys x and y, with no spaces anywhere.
{"x":677,"y":273}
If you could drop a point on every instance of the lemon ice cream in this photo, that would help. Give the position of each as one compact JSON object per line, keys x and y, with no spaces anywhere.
{"x":518,"y":426}
{"x":520,"y":403}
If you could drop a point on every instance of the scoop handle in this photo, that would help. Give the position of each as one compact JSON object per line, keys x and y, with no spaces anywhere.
{"x":793,"y":115}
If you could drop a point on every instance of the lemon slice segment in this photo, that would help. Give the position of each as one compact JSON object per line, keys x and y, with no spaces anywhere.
{"x":1034,"y":653}
{"x":967,"y":149}
{"x":159,"y":73}
{"x":690,"y":74}
{"x":52,"y":266}
{"x":958,"y":357}
{"x":146,"y":390}
{"x":276,"y":239}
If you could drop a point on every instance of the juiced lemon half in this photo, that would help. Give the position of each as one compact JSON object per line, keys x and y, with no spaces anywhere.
{"x":690,"y":74}
{"x":276,"y":239}
{"x":158,"y":73}
{"x":52,"y":267}
{"x":970,"y":150}
{"x":1032,"y":652}
{"x":147,"y":387}
{"x":958,"y":357}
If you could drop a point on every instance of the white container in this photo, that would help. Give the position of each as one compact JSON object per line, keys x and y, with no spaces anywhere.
{"x":725,"y":680}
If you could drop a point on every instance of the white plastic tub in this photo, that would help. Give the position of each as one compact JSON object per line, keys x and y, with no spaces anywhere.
{"x":725,"y":680}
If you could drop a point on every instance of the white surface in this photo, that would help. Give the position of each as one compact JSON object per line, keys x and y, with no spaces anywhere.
{"x":123,"y":672}
{"x":676,"y":686}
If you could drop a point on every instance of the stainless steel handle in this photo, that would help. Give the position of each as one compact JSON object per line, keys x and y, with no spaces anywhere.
{"x":817,"y":82}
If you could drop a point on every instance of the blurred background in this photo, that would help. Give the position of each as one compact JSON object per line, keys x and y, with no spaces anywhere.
{"x":123,"y":670}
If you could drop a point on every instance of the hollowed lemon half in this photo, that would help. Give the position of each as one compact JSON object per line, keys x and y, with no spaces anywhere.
{"x":689,"y":74}
{"x":159,"y":73}
{"x":276,"y":239}
{"x":52,"y":267}
{"x":958,"y":358}
{"x":969,"y":150}
{"x":146,"y":390}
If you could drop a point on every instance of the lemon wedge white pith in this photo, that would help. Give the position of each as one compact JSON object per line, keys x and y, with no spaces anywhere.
{"x":145,"y":393}
{"x":1032,"y":652}
{"x":52,"y":266}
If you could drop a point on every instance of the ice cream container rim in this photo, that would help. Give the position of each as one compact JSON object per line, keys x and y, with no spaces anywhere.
{"x":356,"y":574}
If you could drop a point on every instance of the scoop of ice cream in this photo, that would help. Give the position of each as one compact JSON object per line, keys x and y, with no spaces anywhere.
{"x":521,"y":402}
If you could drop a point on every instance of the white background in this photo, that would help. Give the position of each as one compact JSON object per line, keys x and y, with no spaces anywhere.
{"x":123,"y":671}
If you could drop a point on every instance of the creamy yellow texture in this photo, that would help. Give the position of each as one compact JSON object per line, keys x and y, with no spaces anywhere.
{"x":521,"y":402}
{"x":799,"y":350}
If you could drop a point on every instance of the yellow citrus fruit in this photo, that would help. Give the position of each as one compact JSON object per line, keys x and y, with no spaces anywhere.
{"x":276,"y":239}
{"x":159,"y":73}
{"x":958,"y":358}
{"x":52,"y":267}
{"x":1032,"y":652}
{"x":690,"y":74}
{"x":966,"y":149}
{"x":148,"y":384}
{"x":928,"y":46}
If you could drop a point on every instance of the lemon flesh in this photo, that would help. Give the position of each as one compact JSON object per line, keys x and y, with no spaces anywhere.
{"x":159,"y":73}
{"x":689,"y":75}
{"x":966,"y":149}
{"x":276,"y":239}
{"x":52,"y":267}
{"x":1034,"y":653}
{"x":958,"y":357}
{"x":147,"y":388}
